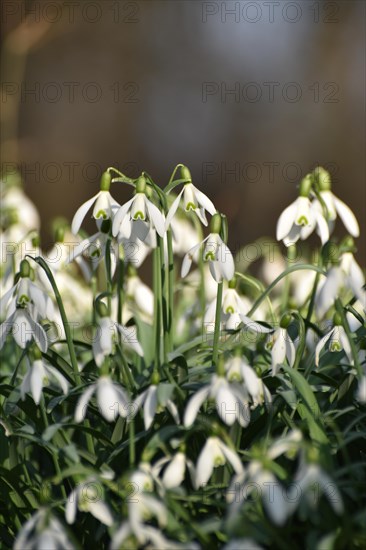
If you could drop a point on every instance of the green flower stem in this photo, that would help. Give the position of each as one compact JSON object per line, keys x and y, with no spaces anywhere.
{"x":340,"y":310}
{"x":70,"y":344}
{"x":215,"y":351}
{"x":302,"y":340}
{"x":171,"y":280}
{"x":120,"y":283}
{"x":108,"y":272}
{"x":157,"y":304}
{"x":54,"y":457}
{"x":313,"y":292}
{"x":131,"y":439}
{"x":164,"y":293}
{"x":269,"y":289}
{"x":93,"y":284}
{"x":201,"y":267}
{"x":252,"y":281}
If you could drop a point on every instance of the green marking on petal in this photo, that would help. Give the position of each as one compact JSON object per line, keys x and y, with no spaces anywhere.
{"x":101,"y":214}
{"x":139,"y":216}
{"x":190,"y":206}
{"x":209,"y":256}
{"x":230,"y":309}
{"x":335,"y":346}
{"x":219,"y":461}
{"x":302,"y":220}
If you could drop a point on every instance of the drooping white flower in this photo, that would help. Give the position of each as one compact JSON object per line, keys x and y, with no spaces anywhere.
{"x":151,"y":536}
{"x":233,"y":313}
{"x":334,"y":205}
{"x":347,"y":274}
{"x":111,"y":398}
{"x":299,"y":220}
{"x":137,"y":216}
{"x":259,"y":479}
{"x":215,"y":453}
{"x":310,"y":483}
{"x":40,"y":374}
{"x":105,"y":205}
{"x":282,"y":347}
{"x":24,"y":329}
{"x":95,"y":248}
{"x":43,"y":531}
{"x":217,"y":253}
{"x":154,"y":401}
{"x":239,"y":371}
{"x":140,"y":295}
{"x":87,"y":497}
{"x":232,"y":400}
{"x":175,"y":469}
{"x":193,"y":200}
{"x":338,"y":341}
{"x":105,"y":336}
{"x":17,"y":209}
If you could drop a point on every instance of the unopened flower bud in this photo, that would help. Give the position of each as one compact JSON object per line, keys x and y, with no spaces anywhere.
{"x":186,"y":174}
{"x":25,"y":268}
{"x":105,"y":181}
{"x":101,"y":308}
{"x":337,"y":319}
{"x":305,"y":185}
{"x":323,"y":179}
{"x":232,"y":283}
{"x":215,"y":224}
{"x":141,"y":184}
{"x":285,"y":320}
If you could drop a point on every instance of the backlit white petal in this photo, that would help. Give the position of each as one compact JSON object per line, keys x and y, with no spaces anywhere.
{"x":101,"y":511}
{"x":156,"y":217}
{"x":204,"y":201}
{"x":286,"y":221}
{"x":81,"y":213}
{"x":173,"y":209}
{"x":320,"y":345}
{"x":347,"y":217}
{"x":194,"y":405}
{"x":82,"y":404}
{"x":120,"y":214}
{"x":150,"y":406}
{"x":174,"y":472}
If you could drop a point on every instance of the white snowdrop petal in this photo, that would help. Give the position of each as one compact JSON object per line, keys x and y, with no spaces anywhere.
{"x":173,"y":209}
{"x":81,"y":213}
{"x":100,"y":511}
{"x":227,"y":405}
{"x":174,"y":472}
{"x":204,"y":201}
{"x":120,"y":215}
{"x":347,"y":216}
{"x":205,"y":463}
{"x":84,"y":399}
{"x":150,"y":406}
{"x":320,"y":345}
{"x":285,"y":221}
{"x":194,"y":405}
{"x":36,"y":380}
{"x":156,"y":217}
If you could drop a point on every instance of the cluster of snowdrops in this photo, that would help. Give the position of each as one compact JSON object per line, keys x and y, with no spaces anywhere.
{"x":220,"y":406}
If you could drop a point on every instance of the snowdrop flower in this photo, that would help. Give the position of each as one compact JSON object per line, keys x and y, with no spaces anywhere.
{"x":40,"y":374}
{"x":184,"y":235}
{"x":282,"y":346}
{"x":216,"y":252}
{"x":109,"y":395}
{"x":309,"y":482}
{"x":234,"y":310}
{"x":334,"y":205}
{"x":26,"y":294}
{"x":96,"y":248}
{"x":151,"y":536}
{"x":300,"y":218}
{"x":104,"y":208}
{"x":106,"y":334}
{"x":24,"y":329}
{"x":338,"y":341}
{"x":42,"y":531}
{"x":174,"y":473}
{"x":154,"y":401}
{"x":232,"y":401}
{"x":272,"y":491}
{"x":238,"y":370}
{"x":193,"y":200}
{"x":138,"y":215}
{"x":347,"y":274}
{"x":87,"y":497}
{"x":17,"y":209}
{"x":215,"y":453}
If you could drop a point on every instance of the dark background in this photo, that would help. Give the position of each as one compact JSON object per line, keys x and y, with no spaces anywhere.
{"x":250,"y":95}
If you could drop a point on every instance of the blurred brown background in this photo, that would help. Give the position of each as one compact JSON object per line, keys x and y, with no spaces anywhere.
{"x":250,"y":95}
